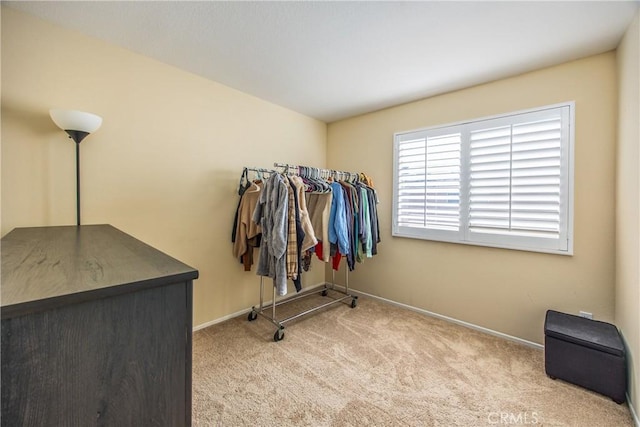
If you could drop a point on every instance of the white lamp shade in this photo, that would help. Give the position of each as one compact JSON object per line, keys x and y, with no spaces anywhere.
{"x":75,"y":120}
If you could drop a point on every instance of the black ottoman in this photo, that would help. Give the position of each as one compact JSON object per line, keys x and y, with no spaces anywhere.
{"x":585,"y":352}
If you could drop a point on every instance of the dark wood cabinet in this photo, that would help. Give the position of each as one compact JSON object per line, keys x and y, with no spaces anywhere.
{"x":96,"y":330}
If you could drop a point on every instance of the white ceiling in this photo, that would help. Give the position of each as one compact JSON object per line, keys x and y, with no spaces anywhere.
{"x":332,"y":60}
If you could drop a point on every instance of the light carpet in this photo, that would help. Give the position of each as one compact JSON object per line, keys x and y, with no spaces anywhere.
{"x":379,"y":365}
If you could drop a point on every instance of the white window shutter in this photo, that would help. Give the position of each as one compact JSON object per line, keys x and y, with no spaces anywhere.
{"x":490,"y":179}
{"x":535,"y":182}
{"x":504,"y":181}
{"x":411,"y":191}
{"x":427,"y":184}
{"x":515,"y":178}
{"x":443,"y":182}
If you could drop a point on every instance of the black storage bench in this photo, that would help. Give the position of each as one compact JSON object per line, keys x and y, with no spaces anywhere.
{"x":585,"y":352}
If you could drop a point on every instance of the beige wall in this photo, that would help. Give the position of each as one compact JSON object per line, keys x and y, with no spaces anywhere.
{"x":504,"y":290}
{"x":628,"y":203}
{"x":165,"y":165}
{"x":164,"y":168}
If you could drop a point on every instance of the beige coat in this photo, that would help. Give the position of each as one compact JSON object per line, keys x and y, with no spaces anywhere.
{"x":245,"y":227}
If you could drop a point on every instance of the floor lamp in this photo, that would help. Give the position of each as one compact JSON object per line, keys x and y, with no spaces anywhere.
{"x":78,"y":125}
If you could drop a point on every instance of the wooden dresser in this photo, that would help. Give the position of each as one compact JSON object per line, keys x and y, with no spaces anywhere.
{"x":96,"y":330}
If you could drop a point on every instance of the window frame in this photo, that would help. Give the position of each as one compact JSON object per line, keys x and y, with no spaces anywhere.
{"x":464,"y":235}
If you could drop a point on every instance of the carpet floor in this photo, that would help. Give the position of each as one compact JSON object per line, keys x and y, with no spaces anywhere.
{"x":379,"y":365}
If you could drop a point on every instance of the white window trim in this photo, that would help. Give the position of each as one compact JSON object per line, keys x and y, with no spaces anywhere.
{"x":461,"y":237}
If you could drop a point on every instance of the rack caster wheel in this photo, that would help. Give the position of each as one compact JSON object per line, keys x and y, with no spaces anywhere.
{"x":324,"y":293}
{"x":279,"y":335}
{"x":252,"y":316}
{"x":354,"y":303}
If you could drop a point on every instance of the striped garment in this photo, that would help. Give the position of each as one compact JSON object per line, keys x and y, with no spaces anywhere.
{"x":292,"y":243}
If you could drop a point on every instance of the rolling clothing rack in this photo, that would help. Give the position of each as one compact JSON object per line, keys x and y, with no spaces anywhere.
{"x":263,"y":310}
{"x":333,"y":292}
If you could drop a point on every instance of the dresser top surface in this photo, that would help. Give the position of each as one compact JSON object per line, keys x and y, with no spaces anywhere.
{"x":45,"y":267}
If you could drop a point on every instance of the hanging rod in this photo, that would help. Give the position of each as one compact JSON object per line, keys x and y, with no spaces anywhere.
{"x":285,"y":165}
{"x":259,"y":169}
{"x":297,"y":167}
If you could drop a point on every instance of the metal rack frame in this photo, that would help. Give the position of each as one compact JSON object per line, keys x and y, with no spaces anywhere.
{"x":342,"y":297}
{"x":262,"y":309}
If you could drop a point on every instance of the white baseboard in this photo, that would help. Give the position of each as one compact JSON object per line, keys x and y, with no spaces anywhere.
{"x":633,"y":412}
{"x":246,"y":310}
{"x":452,"y":320}
{"x":221,"y":319}
{"x":398,"y":304}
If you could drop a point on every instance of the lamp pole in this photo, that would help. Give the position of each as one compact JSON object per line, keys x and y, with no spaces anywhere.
{"x":77,"y":136}
{"x":78,"y":182}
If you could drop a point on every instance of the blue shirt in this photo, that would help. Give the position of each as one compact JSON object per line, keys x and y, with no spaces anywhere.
{"x":338,"y":231}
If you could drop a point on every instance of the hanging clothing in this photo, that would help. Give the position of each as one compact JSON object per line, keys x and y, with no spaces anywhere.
{"x":365,"y":232}
{"x":246,"y":230}
{"x":271,"y":214}
{"x":300,"y":235}
{"x":292,"y":244}
{"x":242,"y":187}
{"x":293,"y":217}
{"x":338,"y":231}
{"x":349,"y":209}
{"x":375,"y":226}
{"x":319,"y":208}
{"x":310,"y":239}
